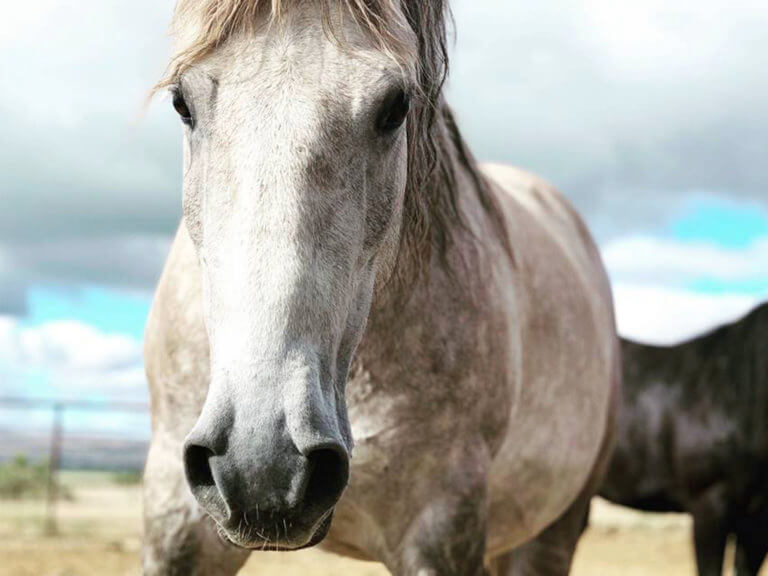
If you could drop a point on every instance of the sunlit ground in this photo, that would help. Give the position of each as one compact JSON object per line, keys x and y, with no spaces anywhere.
{"x":100,"y":534}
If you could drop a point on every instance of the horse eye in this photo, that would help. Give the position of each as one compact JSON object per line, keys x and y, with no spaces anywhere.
{"x":181,"y":108}
{"x":393,"y":111}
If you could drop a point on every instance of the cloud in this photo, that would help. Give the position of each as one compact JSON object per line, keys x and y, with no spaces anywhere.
{"x":74,"y":346}
{"x":130,"y":262}
{"x":629,"y":107}
{"x":66,"y":346}
{"x":667,"y":290}
{"x":13,"y":293}
{"x":70,"y":358}
{"x":8,"y":340}
{"x":611,"y":103}
{"x":91,"y":186}
{"x":649,"y":260}
{"x":662,"y":315}
{"x":77,"y":157}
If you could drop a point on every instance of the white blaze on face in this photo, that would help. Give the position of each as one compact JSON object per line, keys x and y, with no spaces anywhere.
{"x":293,"y":196}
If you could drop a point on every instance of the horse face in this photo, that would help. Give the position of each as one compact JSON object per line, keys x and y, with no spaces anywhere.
{"x":294,"y":178}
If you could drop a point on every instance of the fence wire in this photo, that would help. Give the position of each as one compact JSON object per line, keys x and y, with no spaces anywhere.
{"x":73,"y":434}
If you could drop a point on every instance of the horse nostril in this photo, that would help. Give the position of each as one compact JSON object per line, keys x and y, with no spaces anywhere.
{"x":198,"y":467}
{"x":201,"y":481}
{"x":328,"y":478}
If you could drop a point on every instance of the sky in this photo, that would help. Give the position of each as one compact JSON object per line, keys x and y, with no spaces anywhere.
{"x":649,"y":115}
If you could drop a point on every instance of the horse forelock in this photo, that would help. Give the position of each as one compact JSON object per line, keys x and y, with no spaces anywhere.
{"x":431,"y":213}
{"x":200,"y":26}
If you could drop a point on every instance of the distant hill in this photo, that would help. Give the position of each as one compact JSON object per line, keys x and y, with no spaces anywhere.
{"x":78,"y":452}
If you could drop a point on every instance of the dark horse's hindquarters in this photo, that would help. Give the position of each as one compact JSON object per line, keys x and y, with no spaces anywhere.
{"x":693,"y":437}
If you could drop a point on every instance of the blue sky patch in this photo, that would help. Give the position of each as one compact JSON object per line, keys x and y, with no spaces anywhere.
{"x":108,"y":310}
{"x":722,"y":222}
{"x":755,"y":287}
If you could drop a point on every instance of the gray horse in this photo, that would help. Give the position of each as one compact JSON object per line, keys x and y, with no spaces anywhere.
{"x":347,"y":275}
{"x":694,"y":438}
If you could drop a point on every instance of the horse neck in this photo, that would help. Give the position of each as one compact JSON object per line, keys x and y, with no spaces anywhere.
{"x":454,"y":238}
{"x":412,"y":307}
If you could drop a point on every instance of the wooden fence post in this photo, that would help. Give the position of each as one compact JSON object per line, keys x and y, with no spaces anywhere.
{"x":54,"y":461}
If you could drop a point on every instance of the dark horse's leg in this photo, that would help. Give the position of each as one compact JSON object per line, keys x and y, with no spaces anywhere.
{"x":710,"y":531}
{"x":751,"y":545}
{"x":750,"y":555}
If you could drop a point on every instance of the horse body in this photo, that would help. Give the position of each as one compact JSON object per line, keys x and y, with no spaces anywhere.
{"x":505,"y":436}
{"x":478,"y":427}
{"x":476,"y":379}
{"x":693,"y":437}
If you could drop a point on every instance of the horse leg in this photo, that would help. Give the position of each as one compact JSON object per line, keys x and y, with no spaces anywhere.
{"x":551,"y":552}
{"x":447,"y":537}
{"x":751,"y":548}
{"x":709,"y":538}
{"x":179,"y":540}
{"x":710,"y":532}
{"x":749,"y":557}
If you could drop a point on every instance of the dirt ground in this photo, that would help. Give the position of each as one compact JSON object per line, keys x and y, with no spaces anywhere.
{"x":100,"y":535}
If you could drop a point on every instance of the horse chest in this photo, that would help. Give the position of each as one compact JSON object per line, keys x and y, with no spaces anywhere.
{"x":410,"y":449}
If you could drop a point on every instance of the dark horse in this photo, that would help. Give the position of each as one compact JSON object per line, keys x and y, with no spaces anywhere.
{"x":693,"y":437}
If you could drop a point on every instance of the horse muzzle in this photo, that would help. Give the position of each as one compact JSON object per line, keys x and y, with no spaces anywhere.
{"x":268,"y":481}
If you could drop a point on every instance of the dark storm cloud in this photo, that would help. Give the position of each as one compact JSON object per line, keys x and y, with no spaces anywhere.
{"x":124,"y":262}
{"x":131,"y":262}
{"x":78,"y":156}
{"x":90,"y":184}
{"x":13,"y":298}
{"x":629,"y":107}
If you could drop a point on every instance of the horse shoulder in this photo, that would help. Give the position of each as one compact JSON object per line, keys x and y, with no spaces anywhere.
{"x":175,"y":343}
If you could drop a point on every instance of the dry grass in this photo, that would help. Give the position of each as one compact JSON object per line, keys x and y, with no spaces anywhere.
{"x":101,"y":535}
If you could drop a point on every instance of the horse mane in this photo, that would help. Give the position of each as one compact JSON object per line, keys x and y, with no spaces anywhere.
{"x":436,"y":148}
